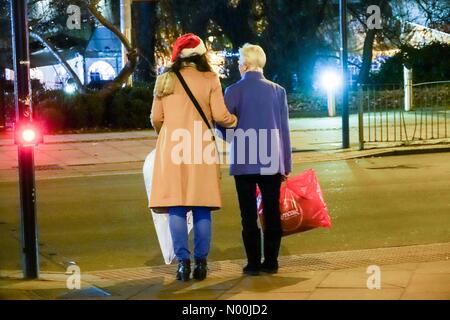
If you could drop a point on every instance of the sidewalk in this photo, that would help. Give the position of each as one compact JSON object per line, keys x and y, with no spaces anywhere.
{"x":313,"y":140}
{"x":411,"y":272}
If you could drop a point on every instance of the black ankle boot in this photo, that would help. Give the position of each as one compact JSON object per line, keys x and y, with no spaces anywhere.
{"x":184,"y":270}
{"x":272,"y":241}
{"x":252,"y":244}
{"x":200,"y":269}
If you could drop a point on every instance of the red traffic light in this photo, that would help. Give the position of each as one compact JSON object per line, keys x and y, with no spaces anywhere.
{"x":28,"y":135}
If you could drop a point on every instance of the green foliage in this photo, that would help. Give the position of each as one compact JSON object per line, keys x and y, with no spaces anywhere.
{"x":85,"y":110}
{"x":307,"y":103}
{"x":130,"y":108}
{"x":50,"y":111}
{"x":59,"y":111}
{"x":436,"y":96}
{"x":428,"y":64}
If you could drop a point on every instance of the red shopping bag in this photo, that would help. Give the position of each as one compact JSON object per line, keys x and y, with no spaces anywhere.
{"x":302,"y":206}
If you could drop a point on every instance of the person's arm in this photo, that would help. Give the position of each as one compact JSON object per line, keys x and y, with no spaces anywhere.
{"x":285,"y":136}
{"x":220,"y":113}
{"x":231,"y":100}
{"x":157,"y":114}
{"x":231,"y":103}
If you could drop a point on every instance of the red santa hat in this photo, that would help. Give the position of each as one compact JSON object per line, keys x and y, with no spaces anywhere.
{"x":188,"y":45}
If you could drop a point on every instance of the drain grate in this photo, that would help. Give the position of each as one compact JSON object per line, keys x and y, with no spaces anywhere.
{"x":299,"y":263}
{"x":401,"y":166}
{"x":49,"y":167}
{"x":91,"y":292}
{"x":45,"y":167}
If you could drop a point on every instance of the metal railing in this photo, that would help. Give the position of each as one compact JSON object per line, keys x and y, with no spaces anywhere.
{"x":382,"y":119}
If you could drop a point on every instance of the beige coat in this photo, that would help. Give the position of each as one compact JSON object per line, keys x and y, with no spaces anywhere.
{"x":193,"y":182}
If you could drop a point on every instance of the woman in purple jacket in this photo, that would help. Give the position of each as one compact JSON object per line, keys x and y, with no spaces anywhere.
{"x":260,"y":155}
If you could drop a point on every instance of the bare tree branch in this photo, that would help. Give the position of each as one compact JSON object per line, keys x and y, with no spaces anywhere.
{"x":124,"y":74}
{"x":58,"y":57}
{"x":132,"y":53}
{"x":337,"y":58}
{"x":97,"y":14}
{"x":427,"y":12}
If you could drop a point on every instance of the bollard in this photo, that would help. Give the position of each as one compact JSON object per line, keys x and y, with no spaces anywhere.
{"x":331,"y":102}
{"x":408,"y":88}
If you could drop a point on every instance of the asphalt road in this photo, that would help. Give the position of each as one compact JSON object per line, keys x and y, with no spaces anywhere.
{"x":102,"y":222}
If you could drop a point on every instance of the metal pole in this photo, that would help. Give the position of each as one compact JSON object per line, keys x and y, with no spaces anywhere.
{"x":125,"y":28}
{"x":19,"y":23}
{"x":361,"y":118}
{"x":2,"y":99}
{"x":344,"y":59}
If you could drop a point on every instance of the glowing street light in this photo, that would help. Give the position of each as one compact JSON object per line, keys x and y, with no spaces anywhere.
{"x":331,"y":80}
{"x":28,"y":135}
{"x":70,"y":88}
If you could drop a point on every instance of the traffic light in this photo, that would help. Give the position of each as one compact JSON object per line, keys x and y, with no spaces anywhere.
{"x":28,"y":134}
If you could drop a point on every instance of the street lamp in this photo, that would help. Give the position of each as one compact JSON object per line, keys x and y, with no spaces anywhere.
{"x":331,"y":80}
{"x":70,"y":88}
{"x":344,"y":65}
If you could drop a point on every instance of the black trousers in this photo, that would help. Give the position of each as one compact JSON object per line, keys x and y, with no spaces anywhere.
{"x":251,"y":235}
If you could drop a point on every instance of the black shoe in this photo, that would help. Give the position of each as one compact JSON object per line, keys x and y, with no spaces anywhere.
{"x":269,"y":267}
{"x":184,"y":270}
{"x":200,"y":269}
{"x":251,"y":270}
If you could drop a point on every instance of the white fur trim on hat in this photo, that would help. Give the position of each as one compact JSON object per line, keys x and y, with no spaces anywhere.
{"x":198,"y":50}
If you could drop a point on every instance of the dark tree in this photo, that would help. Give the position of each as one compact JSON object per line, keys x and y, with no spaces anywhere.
{"x":437,"y":13}
{"x":422,"y":60}
{"x":292,"y":40}
{"x":144,"y":18}
{"x":287,"y":30}
{"x":389,"y":31}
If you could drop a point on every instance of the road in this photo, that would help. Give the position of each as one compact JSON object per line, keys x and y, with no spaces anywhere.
{"x":102,"y":222}
{"x":307,"y":135}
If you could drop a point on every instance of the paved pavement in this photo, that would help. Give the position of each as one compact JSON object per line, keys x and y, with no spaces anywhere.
{"x":407,"y":273}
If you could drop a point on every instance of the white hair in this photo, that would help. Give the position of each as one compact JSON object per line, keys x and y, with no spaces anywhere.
{"x":253,"y":56}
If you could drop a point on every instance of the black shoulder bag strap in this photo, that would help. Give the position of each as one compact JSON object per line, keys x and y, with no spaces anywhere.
{"x":195,"y":102}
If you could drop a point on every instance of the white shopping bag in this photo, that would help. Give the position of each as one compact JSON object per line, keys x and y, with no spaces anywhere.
{"x":161,"y":220}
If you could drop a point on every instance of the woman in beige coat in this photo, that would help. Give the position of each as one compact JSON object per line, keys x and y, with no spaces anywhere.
{"x":186,"y":171}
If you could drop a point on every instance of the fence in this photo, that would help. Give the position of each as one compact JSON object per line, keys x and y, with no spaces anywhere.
{"x":382,"y":118}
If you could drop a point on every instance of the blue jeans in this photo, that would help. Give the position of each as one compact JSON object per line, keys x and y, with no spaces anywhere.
{"x":179,"y":231}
